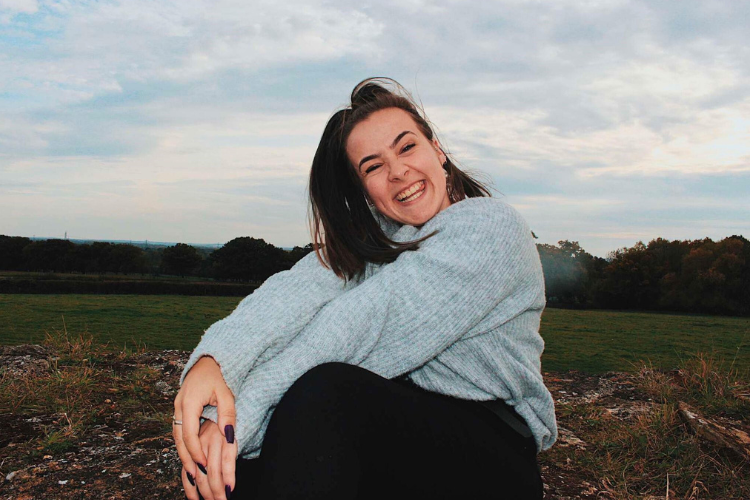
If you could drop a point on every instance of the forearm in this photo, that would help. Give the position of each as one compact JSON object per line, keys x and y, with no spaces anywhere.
{"x":266,"y":321}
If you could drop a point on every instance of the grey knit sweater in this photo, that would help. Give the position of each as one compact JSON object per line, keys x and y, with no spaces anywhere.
{"x":460,"y":316}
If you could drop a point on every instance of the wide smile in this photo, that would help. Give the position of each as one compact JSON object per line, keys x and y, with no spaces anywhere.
{"x":411,"y":193}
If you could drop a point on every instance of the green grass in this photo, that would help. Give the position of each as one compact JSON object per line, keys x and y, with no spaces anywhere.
{"x":30,"y":275}
{"x":589,"y":341}
{"x":158,"y":321}
{"x":600,"y":341}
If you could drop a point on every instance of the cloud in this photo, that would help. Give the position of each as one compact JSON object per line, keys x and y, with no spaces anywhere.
{"x":97,"y":48}
{"x":19,"y":6}
{"x":595,"y":117}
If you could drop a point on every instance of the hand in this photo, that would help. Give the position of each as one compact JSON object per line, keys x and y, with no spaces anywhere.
{"x":221,"y":457}
{"x":204,"y":385}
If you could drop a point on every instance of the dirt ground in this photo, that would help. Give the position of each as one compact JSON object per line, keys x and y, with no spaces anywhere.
{"x":123,"y":458}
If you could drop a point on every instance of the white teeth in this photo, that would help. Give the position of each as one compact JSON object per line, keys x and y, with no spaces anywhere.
{"x":413,"y":197}
{"x":406,"y":194}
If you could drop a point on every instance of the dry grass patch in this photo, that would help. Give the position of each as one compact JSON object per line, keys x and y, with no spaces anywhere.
{"x":651,"y":452}
{"x":85,"y":385}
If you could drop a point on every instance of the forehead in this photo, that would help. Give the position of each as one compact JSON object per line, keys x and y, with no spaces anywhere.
{"x":377,"y":132}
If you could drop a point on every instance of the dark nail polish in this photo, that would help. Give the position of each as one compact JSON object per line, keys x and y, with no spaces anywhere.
{"x":190,"y":478}
{"x":229,"y":433}
{"x":228,"y":492}
{"x":202,"y":469}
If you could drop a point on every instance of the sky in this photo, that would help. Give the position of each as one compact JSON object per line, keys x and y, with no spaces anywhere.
{"x":605,"y":122}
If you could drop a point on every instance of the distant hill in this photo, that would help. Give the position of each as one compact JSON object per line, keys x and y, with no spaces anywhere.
{"x":145,"y":243}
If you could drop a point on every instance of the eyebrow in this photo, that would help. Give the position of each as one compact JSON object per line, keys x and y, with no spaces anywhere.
{"x":393,"y":145}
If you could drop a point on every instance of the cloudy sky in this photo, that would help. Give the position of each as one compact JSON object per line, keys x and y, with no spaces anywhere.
{"x":603,"y":121}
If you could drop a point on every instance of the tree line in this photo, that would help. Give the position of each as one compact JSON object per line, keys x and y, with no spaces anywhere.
{"x":242,"y":259}
{"x":689,"y":276}
{"x":702,"y":276}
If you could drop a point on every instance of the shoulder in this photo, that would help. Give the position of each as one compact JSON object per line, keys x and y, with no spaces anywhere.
{"x":482,"y":214}
{"x":309,"y":269}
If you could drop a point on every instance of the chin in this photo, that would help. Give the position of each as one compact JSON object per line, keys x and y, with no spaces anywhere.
{"x":414,"y":220}
{"x":412,"y":217}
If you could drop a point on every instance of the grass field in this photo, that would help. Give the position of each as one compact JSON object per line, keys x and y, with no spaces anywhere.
{"x":158,"y":321}
{"x":93,"y":277}
{"x":597,"y":341}
{"x":589,"y":341}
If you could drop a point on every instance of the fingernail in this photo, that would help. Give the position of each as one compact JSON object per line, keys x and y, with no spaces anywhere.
{"x":190,"y":478}
{"x":229,"y":433}
{"x":202,"y":468}
{"x":228,"y":492}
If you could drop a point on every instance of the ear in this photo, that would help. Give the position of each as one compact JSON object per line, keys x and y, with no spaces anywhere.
{"x":439,"y":150}
{"x":367,"y":199}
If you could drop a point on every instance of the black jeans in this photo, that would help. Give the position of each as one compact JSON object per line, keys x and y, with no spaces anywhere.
{"x":343,"y":432}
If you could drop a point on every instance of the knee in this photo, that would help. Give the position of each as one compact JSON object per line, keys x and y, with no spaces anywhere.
{"x":332,"y":371}
{"x":323,"y":385}
{"x":326,"y":376}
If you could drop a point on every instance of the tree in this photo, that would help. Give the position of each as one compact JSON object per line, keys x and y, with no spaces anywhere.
{"x":99,"y":260}
{"x":296,"y":253}
{"x":625,"y":284}
{"x":127,"y":259}
{"x":570,"y":273}
{"x":248,"y":259}
{"x":11,"y":252}
{"x":180,"y":259}
{"x":49,"y":255}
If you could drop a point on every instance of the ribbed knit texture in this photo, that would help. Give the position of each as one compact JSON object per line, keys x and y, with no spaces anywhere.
{"x":460,"y":315}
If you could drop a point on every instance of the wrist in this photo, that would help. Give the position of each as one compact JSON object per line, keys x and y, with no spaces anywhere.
{"x":207,"y":357}
{"x":207,"y":360}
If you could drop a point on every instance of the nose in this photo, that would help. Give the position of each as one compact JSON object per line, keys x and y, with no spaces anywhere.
{"x":397,"y":171}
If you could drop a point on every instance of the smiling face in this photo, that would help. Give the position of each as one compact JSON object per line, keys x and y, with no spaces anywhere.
{"x":401,"y":170}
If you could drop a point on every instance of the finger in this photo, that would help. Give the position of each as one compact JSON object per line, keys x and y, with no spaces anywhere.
{"x":227,"y":422}
{"x":204,"y":489}
{"x":185,"y":458}
{"x":187,"y":461}
{"x":202,"y":481}
{"x":188,"y":484}
{"x":227,"y":413}
{"x":215,"y":477}
{"x":228,"y":464}
{"x":191,"y":414}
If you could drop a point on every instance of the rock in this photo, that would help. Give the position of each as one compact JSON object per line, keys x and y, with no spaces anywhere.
{"x":566,"y":437}
{"x":725,"y":437}
{"x":24,"y":360}
{"x":165,"y":388}
{"x":32,"y":350}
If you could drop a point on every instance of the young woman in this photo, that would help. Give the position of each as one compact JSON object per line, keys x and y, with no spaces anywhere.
{"x":402,"y":358}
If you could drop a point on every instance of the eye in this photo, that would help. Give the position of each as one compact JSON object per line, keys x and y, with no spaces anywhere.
{"x":408,"y":147}
{"x":372,"y":168}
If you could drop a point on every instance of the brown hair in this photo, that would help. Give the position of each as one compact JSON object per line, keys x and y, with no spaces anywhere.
{"x":344,"y":231}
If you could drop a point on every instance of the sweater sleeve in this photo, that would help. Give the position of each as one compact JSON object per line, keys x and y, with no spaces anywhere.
{"x":265,"y":321}
{"x":481,"y":260}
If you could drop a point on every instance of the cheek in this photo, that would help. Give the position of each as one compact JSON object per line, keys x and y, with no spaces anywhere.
{"x":372,"y":193}
{"x":375,"y":192}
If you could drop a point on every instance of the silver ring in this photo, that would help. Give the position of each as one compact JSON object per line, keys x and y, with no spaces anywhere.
{"x":176,"y":422}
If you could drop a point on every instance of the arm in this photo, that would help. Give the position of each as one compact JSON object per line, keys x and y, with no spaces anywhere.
{"x":265,"y":321}
{"x":482,"y":260}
